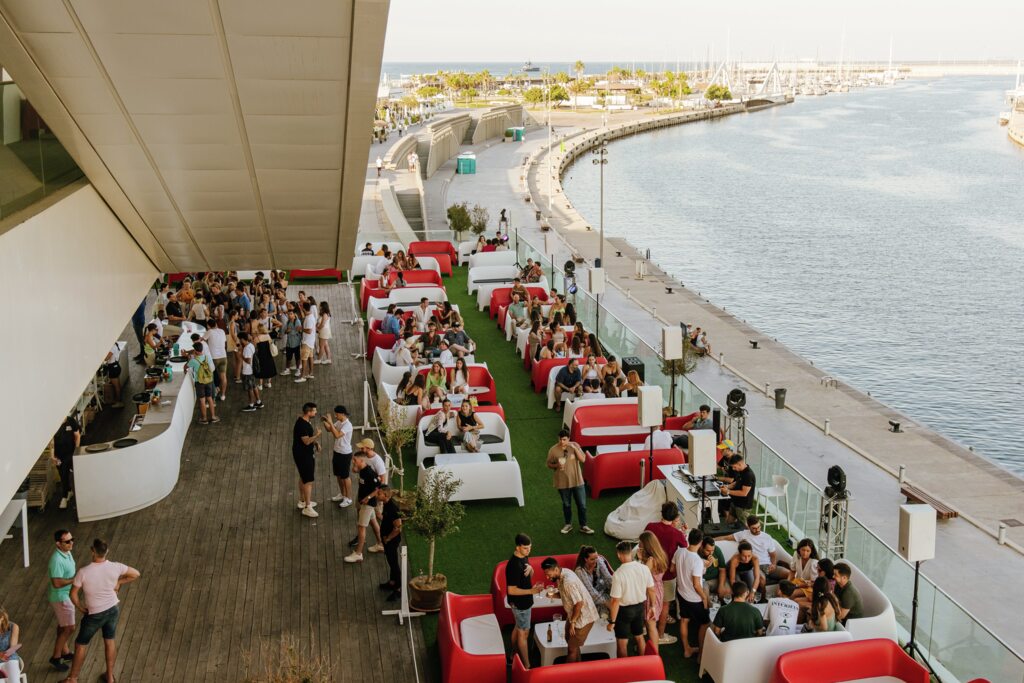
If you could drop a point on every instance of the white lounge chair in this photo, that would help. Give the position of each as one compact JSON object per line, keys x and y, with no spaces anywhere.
{"x":493,"y":258}
{"x":501,"y":275}
{"x":495,"y":438}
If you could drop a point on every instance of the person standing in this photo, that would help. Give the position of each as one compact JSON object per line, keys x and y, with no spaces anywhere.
{"x":61,"y":570}
{"x":693,"y":602}
{"x":65,"y":442}
{"x":248,"y":375}
{"x":292,"y":341}
{"x":391,"y":530}
{"x":565,"y":458}
{"x":100,"y":580}
{"x":308,"y":341}
{"x":341,"y":460}
{"x":632,"y":594}
{"x":216,"y":339}
{"x":581,"y":613}
{"x":367,"y":497}
{"x":201,"y":366}
{"x":305,"y":444}
{"x":519,"y":590}
{"x":670,"y":531}
{"x":380,"y":166}
{"x":741,"y":490}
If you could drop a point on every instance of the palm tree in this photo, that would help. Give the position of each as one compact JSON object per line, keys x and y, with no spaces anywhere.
{"x":579,"y":67}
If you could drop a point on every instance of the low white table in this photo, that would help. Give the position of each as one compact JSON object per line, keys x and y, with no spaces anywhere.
{"x":600,"y":639}
{"x":16,"y":508}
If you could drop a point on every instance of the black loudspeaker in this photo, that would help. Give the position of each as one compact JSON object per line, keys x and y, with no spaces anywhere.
{"x":723,"y":528}
{"x":633,"y":363}
{"x":716,"y":420}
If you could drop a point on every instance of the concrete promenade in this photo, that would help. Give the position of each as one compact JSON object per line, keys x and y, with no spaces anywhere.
{"x":860,"y":442}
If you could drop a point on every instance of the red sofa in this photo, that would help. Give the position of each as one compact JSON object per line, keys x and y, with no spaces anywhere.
{"x":457,"y":665}
{"x":502,"y":296}
{"x":622,"y":469}
{"x":539,"y":614}
{"x":847,"y":662}
{"x":418,"y":277}
{"x":616,"y":415}
{"x":649,"y":667}
{"x":319,"y":273}
{"x":375,"y":339}
{"x":443,"y":251}
{"x":479,"y":376}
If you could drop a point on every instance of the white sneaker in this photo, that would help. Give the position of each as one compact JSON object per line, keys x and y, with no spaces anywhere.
{"x":299,"y":380}
{"x":286,"y":371}
{"x":63,"y":503}
{"x":312,"y":504}
{"x":310,"y":512}
{"x":345,"y":503}
{"x":567,"y":528}
{"x":354,"y":557}
{"x":310,"y":377}
{"x":327,"y":362}
{"x":378,"y":548}
{"x":338,"y":498}
{"x":223,"y":397}
{"x":666,"y":640}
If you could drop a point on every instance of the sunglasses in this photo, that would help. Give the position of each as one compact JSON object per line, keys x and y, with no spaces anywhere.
{"x":69,"y":540}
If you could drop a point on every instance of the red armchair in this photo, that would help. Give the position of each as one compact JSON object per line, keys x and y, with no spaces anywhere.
{"x":319,"y":273}
{"x":457,"y":665}
{"x":540,"y":614}
{"x":502,"y":296}
{"x":649,"y":667}
{"x":479,"y":376}
{"x":541,"y":370}
{"x":848,"y":661}
{"x":622,"y":469}
{"x":623,"y":416}
{"x":441,"y":250}
{"x":418,"y":277}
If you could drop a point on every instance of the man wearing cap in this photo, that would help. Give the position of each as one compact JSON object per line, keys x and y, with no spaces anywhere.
{"x":369,"y":482}
{"x":458,"y":340}
{"x":741,"y":489}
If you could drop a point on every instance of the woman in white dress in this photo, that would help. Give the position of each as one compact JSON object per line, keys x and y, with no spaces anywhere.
{"x":323,"y":335}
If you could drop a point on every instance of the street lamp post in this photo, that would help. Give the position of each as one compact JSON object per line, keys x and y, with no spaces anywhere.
{"x":601,"y":159}
{"x":547,"y":88}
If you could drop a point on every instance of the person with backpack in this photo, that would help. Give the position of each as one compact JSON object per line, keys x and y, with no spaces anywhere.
{"x":201,"y":366}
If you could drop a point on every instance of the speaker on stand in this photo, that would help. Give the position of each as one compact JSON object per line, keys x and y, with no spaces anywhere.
{"x":671,"y":351}
{"x":649,"y":407}
{"x":917,"y":544}
{"x":702,"y":446}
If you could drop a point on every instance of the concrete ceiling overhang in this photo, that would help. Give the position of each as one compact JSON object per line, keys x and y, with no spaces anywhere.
{"x":225,"y":134}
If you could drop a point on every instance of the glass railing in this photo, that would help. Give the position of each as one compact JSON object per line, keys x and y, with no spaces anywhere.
{"x":33,"y":163}
{"x":958,"y":646}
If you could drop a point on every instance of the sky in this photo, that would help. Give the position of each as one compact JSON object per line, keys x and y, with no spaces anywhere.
{"x":667,"y":30}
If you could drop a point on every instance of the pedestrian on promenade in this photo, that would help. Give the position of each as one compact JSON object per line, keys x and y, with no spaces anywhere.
{"x":341,"y":461}
{"x":100,"y":580}
{"x":305,"y":444}
{"x":61,"y":570}
{"x":380,"y":165}
{"x":391,"y":530}
{"x":566,"y":458}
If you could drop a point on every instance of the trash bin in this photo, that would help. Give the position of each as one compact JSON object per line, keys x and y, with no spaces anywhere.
{"x":780,"y":398}
{"x":518,"y":134}
{"x":538,"y":214}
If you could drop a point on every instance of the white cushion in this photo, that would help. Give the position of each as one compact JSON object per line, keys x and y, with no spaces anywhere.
{"x":481,"y":635}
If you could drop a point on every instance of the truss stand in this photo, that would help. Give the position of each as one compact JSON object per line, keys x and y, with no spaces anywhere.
{"x":736,"y":429}
{"x":403,"y":612}
{"x":833,"y":526}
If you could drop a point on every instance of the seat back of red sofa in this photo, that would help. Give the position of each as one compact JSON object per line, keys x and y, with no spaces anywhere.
{"x":498,"y":584}
{"x":848,"y":661}
{"x":648,"y":667}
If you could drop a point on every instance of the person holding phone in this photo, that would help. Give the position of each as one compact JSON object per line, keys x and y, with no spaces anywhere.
{"x":566,"y":458}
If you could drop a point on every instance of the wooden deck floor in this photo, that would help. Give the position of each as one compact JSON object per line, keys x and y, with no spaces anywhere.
{"x":229,"y":566}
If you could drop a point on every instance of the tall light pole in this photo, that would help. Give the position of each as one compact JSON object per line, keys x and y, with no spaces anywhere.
{"x":547,"y":88}
{"x":601,"y":159}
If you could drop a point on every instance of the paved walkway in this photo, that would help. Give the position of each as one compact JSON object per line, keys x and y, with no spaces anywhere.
{"x":230,"y":569}
{"x":973,"y":485}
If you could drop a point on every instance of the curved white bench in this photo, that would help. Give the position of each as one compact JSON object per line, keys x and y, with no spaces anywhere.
{"x":465,"y":250}
{"x":493,"y":258}
{"x":406,"y":298}
{"x":408,"y":413}
{"x":495,"y":438}
{"x":752,"y":660}
{"x":501,"y":275}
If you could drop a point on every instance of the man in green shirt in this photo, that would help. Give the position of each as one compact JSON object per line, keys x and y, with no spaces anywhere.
{"x":850,"y":605}
{"x":738,"y":619}
{"x":62,"y":572}
{"x":714,"y":561}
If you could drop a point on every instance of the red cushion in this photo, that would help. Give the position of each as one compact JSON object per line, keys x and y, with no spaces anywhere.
{"x":457,"y":665}
{"x":541,"y":370}
{"x":622,"y":469}
{"x":431,"y":247}
{"x":604,"y":415}
{"x":648,"y":667}
{"x":378,"y":340}
{"x":847,"y":662}
{"x":322,"y":272}
{"x":539,"y":614}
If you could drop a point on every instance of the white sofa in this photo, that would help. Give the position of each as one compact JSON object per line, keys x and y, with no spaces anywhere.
{"x":495,"y":437}
{"x":728,"y":549}
{"x":406,"y":298}
{"x":551,"y":387}
{"x":429,"y":263}
{"x":409,"y":413}
{"x":505,"y":274}
{"x":385,"y":371}
{"x":465,"y":250}
{"x":493,"y":258}
{"x":484,"y":480}
{"x":752,"y":660}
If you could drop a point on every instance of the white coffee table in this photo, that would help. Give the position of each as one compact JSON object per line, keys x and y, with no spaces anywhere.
{"x":600,"y":639}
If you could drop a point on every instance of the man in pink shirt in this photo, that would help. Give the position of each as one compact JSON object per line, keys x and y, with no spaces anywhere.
{"x":100,"y":580}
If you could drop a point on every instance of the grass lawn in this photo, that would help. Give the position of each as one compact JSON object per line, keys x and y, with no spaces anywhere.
{"x":486,"y":535}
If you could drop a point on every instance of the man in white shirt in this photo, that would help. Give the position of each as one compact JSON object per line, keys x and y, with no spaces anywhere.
{"x":307,"y":343}
{"x":341,"y":460}
{"x":581,"y":613}
{"x":100,"y":580}
{"x":422,"y":314}
{"x":216,"y":340}
{"x":765,"y":549}
{"x":631,"y":593}
{"x":693,"y":602}
{"x":364,"y":449}
{"x":783,"y":612}
{"x":661,"y":438}
{"x":446,"y":356}
{"x":248,"y":378}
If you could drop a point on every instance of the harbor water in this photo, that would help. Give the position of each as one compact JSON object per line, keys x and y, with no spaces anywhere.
{"x":878,"y":233}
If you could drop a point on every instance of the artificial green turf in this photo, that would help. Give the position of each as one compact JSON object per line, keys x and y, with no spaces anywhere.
{"x":486,"y":534}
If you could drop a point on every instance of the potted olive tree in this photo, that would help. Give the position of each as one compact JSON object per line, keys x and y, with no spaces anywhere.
{"x":479,"y":217}
{"x":433,"y":517}
{"x":395,"y":434}
{"x":459,"y":220}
